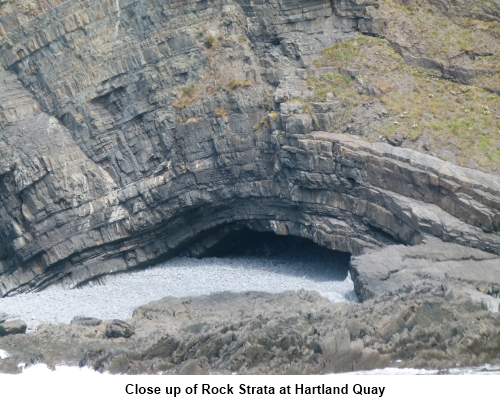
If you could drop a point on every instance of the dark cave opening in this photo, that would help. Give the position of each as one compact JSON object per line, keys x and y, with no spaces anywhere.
{"x":246,"y":242}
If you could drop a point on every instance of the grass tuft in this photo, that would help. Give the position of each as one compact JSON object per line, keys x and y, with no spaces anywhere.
{"x":220,"y":112}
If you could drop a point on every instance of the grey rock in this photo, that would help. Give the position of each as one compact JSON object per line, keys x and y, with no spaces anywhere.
{"x":15,"y":327}
{"x":292,"y":332}
{"x":143,"y":182}
{"x":395,"y":269}
{"x":299,"y":124}
{"x":142,"y":157}
{"x":147,"y":152}
{"x":396,"y":139}
{"x":118,"y":328}
{"x":85,"y":321}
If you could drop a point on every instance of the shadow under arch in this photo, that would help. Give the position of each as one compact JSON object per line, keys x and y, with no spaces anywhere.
{"x":240,"y":241}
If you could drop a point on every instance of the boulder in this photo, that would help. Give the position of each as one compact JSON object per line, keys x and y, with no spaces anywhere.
{"x":118,"y":329}
{"x":85,"y":321}
{"x":396,"y":139}
{"x":16,"y":327}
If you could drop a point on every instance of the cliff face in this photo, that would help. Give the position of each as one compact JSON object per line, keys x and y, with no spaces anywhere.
{"x":133,"y":129}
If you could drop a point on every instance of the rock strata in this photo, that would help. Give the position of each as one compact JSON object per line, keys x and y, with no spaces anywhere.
{"x":398,"y":268}
{"x":286,"y":333}
{"x":132,"y":131}
{"x":125,"y":142}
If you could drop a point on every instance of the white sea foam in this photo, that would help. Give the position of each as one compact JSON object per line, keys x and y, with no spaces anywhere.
{"x":486,"y":370}
{"x":41,"y":369}
{"x":3,"y":354}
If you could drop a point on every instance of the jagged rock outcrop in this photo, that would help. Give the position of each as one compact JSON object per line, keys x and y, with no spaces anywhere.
{"x":288,"y":333}
{"x":132,"y":130}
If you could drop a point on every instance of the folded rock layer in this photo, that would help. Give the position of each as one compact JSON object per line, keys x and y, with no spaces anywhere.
{"x":131,"y":130}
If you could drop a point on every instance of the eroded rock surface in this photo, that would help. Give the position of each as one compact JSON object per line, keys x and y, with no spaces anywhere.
{"x":397,"y":269}
{"x":134,"y":129}
{"x":260,"y":333}
{"x":85,"y":321}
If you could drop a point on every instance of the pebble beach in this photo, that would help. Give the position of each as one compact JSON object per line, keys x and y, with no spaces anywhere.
{"x":310,"y":268}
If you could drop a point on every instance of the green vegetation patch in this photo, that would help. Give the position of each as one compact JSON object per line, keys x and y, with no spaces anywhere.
{"x":462,"y":119}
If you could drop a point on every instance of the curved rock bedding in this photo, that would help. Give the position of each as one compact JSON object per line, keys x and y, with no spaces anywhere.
{"x":122,"y":142}
{"x":137,"y":130}
{"x":312,"y":269}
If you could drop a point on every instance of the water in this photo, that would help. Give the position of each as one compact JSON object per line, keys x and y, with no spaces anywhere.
{"x":483,"y":370}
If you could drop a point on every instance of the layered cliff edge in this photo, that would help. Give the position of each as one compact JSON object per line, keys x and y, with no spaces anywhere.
{"x":133,"y":130}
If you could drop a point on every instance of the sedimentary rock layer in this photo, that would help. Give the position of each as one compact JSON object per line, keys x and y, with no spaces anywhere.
{"x":134,"y":129}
